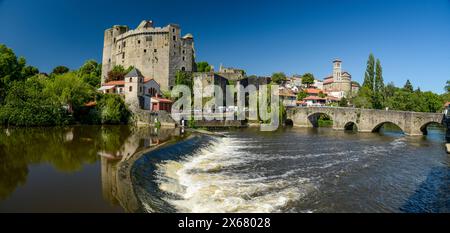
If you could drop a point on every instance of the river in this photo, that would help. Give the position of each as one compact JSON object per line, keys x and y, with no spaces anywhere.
{"x":123,"y":169}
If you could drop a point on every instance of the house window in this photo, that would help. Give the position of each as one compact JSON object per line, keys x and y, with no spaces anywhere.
{"x":131,"y":89}
{"x":152,"y":92}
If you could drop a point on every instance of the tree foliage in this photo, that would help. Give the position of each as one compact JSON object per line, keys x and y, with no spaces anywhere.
{"x":369,"y":76}
{"x":112,"y":109}
{"x":60,"y":70}
{"x":301,"y":95}
{"x":308,"y":79}
{"x":408,"y":86}
{"x":278,"y":78}
{"x":203,"y":67}
{"x":118,"y":73}
{"x":90,"y":73}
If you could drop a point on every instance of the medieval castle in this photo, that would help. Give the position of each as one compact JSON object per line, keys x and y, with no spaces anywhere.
{"x":158,"y":53}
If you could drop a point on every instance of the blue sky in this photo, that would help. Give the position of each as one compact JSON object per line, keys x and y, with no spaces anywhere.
{"x":410,"y":37}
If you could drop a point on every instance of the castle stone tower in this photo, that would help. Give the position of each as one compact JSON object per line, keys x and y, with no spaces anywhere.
{"x":157,"y":52}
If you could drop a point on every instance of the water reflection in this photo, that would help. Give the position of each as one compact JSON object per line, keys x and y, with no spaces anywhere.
{"x":117,"y":184}
{"x":69,"y":152}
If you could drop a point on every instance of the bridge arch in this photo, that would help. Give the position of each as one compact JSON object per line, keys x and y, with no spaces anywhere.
{"x":424,"y":127}
{"x":288,"y":122}
{"x":351,"y":126}
{"x":377,"y":128}
{"x":313,"y":118}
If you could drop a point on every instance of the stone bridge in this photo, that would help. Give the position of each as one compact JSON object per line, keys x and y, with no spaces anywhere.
{"x":365,"y":120}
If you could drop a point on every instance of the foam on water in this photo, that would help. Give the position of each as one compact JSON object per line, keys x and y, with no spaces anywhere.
{"x":201,"y":183}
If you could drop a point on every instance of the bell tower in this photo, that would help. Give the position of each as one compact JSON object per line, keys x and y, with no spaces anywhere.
{"x":337,"y":70}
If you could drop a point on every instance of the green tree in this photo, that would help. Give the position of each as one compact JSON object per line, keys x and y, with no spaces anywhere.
{"x":184,"y":78}
{"x":60,"y":70}
{"x":369,"y":76}
{"x":308,"y":79}
{"x":408,"y":86}
{"x":90,"y":73}
{"x":343,"y":102}
{"x":447,"y":86}
{"x":10,"y":69}
{"x":364,"y":98}
{"x":278,"y":78}
{"x":203,"y":67}
{"x":69,"y":90}
{"x":118,"y":73}
{"x":112,"y":109}
{"x":27,"y":105}
{"x":378,"y":96}
{"x":301,"y":95}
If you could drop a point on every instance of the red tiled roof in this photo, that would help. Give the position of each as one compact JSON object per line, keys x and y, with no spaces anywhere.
{"x":314,"y":91}
{"x":332,"y":98}
{"x":286,"y":93}
{"x":328,"y":81}
{"x":314,"y":98}
{"x":115,"y":83}
{"x":161,"y":100}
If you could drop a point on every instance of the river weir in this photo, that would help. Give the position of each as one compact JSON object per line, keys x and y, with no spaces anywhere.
{"x":294,"y":170}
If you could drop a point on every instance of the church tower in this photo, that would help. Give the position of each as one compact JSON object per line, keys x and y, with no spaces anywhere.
{"x":337,"y":70}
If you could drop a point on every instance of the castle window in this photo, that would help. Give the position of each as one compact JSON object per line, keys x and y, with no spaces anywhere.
{"x":145,"y":50}
{"x":184,"y":51}
{"x":148,"y":38}
{"x":131,"y":80}
{"x":123,"y":55}
{"x":109,"y":60}
{"x":174,"y":38}
{"x":184,"y":58}
{"x":183,"y":68}
{"x":131,"y":89}
{"x":139,"y":42}
{"x":124,"y":44}
{"x":173,"y":30}
{"x":155,"y":50}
